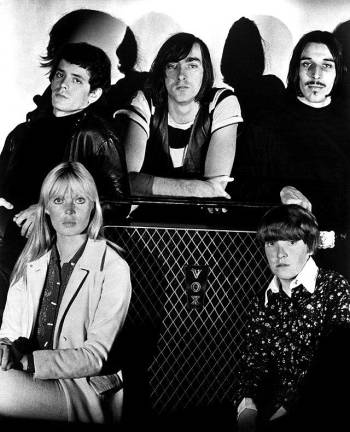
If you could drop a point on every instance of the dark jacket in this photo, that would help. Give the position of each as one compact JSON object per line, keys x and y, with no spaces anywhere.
{"x":33,"y":148}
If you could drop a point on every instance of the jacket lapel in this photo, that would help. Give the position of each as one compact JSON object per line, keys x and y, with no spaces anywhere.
{"x":89,"y":261}
{"x":36,"y":274}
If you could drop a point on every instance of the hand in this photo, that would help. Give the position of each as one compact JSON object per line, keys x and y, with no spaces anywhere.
{"x":25,"y":219}
{"x":279,"y":413}
{"x":7,"y":359}
{"x":218,"y":185}
{"x":6,"y":204}
{"x":290,"y":195}
{"x":247,"y":420}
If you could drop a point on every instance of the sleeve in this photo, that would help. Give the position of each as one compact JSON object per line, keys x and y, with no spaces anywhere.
{"x":226,"y":109}
{"x":339,"y":302}
{"x":107,"y":321}
{"x":254,"y":366}
{"x":102,"y":154}
{"x":139,"y":111}
{"x":11,"y":326}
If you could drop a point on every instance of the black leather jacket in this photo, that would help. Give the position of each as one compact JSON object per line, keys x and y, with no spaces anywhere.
{"x":35,"y":147}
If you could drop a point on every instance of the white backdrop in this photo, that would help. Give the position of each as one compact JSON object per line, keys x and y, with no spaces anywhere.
{"x":25,"y":25}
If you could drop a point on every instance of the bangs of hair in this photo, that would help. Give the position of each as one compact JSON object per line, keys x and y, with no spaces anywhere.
{"x":280,"y":231}
{"x":70,"y":182}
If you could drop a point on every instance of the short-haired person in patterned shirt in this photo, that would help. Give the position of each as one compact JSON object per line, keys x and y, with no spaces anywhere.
{"x":290,"y":325}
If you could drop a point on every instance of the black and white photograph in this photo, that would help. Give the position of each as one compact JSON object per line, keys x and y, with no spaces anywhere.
{"x":175,"y":215}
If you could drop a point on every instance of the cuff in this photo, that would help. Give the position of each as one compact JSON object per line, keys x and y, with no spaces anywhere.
{"x":246,"y":403}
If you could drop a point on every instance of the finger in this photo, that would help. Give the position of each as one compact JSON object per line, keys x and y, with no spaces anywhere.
{"x":26,"y":228}
{"x":5,"y":357}
{"x":20,"y":217}
{"x":6,"y":204}
{"x":222,"y":179}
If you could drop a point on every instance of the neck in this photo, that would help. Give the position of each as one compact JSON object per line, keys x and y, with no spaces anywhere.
{"x":322,"y":104}
{"x":285,"y":284}
{"x":67,"y":246}
{"x":182,"y":113}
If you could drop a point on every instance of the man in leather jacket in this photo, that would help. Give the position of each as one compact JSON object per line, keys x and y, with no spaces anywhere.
{"x":80,"y":74}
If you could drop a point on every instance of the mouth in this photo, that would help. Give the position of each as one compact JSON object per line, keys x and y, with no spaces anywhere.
{"x":182,"y":87}
{"x":281,"y":265}
{"x":315,"y":85}
{"x":69,"y":224}
{"x":60,"y":95}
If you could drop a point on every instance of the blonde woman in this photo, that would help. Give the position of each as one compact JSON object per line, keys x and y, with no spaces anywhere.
{"x":67,"y":302}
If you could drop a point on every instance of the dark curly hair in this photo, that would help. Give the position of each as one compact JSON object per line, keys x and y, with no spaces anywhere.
{"x":89,"y":57}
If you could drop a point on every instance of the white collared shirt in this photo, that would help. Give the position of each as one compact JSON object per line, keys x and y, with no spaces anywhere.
{"x":307,"y":278}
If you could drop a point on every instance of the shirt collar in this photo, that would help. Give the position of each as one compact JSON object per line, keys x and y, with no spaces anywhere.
{"x":307,"y":278}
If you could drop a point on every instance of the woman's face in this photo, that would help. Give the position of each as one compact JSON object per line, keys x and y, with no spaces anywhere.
{"x":69,"y":211}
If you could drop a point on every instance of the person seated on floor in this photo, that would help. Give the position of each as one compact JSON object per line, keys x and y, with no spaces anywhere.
{"x":181,"y":139}
{"x":67,"y":302}
{"x":302,"y":306}
{"x":80,"y":74}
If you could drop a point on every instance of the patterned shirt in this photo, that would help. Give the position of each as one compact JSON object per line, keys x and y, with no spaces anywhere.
{"x":57,"y":278}
{"x":284,"y":333}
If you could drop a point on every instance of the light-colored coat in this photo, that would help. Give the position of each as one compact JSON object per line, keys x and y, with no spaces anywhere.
{"x":91,"y":314}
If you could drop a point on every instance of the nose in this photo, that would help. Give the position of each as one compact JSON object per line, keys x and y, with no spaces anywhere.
{"x":64,"y":82}
{"x":69,"y":208}
{"x":181,"y":72}
{"x":281,"y":252}
{"x":315,"y":71}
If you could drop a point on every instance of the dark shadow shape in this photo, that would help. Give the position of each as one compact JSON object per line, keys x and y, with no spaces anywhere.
{"x":242,"y":67}
{"x":342,"y":33}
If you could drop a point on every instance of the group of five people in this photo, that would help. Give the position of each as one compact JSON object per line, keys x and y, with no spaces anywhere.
{"x":64,"y":305}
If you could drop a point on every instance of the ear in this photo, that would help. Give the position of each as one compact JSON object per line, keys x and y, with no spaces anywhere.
{"x":94,"y":95}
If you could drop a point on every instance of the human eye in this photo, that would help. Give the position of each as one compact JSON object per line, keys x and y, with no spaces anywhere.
{"x":305,"y":64}
{"x":57,"y":200}
{"x":328,"y":66}
{"x":58,"y":74}
{"x":293,"y":242}
{"x":269,"y":243}
{"x":171,"y":66}
{"x":193,"y":65}
{"x":80,"y":200}
{"x":77,"y":80}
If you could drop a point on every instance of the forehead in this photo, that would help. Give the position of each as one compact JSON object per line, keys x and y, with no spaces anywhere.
{"x":194,"y":54}
{"x":316,"y":51}
{"x":73,"y":69}
{"x":67,"y":188}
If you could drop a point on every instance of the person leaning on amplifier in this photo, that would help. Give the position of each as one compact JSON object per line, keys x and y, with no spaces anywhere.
{"x":181,"y":138}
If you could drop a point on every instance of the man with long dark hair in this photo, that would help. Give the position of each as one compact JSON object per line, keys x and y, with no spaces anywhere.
{"x":305,"y":143}
{"x":182,"y":134}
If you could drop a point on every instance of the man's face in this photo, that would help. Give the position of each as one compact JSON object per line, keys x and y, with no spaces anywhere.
{"x":70,"y":89}
{"x":316,"y":74}
{"x":286,"y":258}
{"x":183,"y":79}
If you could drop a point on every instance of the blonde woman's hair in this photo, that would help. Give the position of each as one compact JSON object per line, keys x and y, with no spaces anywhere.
{"x":67,"y":175}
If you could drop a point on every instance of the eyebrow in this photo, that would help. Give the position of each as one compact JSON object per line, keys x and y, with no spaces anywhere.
{"x":325,"y":59}
{"x":73,"y":74}
{"x":191,"y":59}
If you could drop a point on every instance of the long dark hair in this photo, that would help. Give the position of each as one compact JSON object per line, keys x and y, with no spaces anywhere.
{"x":174,"y":49}
{"x":321,"y":37}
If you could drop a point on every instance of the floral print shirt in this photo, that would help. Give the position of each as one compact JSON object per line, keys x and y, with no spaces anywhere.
{"x":284,"y":332}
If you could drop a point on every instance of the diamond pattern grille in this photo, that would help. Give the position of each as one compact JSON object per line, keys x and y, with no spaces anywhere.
{"x":194,"y":361}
